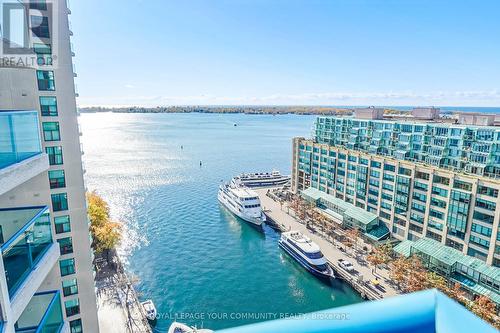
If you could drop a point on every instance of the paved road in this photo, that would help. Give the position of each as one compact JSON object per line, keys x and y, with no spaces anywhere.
{"x":332,"y":252}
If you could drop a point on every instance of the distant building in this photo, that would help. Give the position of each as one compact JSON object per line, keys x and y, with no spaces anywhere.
{"x":477,"y":119}
{"x":369,"y":113}
{"x":425,"y":113}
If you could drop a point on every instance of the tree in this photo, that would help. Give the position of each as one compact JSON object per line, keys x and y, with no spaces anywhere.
{"x":352,"y":237}
{"x":484,"y":308}
{"x":433,"y":280}
{"x":106,"y":234}
{"x":456,"y":293}
{"x":417,"y":275}
{"x":98,"y":209}
{"x":399,"y":269}
{"x":380,"y":255}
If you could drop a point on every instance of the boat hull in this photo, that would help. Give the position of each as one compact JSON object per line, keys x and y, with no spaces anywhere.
{"x":323,"y":275}
{"x":252,"y":220}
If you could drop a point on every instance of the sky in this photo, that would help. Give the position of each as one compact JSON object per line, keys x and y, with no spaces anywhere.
{"x":287,"y":52}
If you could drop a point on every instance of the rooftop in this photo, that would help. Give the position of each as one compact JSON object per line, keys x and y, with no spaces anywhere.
{"x":447,"y":255}
{"x":350,"y":210}
{"x":415,"y":121}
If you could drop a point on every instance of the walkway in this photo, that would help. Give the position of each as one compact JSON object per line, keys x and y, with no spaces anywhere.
{"x":119,"y":310}
{"x":363,"y":270}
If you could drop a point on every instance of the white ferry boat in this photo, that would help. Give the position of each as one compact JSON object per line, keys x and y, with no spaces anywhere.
{"x":242,"y":202}
{"x":262,"y":179}
{"x":307,"y":253}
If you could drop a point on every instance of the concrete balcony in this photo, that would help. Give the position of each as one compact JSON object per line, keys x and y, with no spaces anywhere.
{"x":421,"y":312}
{"x":21,"y":156}
{"x":28,"y":254}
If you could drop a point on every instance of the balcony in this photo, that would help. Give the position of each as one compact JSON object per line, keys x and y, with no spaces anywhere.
{"x":43,"y":314}
{"x":28,"y":252}
{"x":420,"y":312}
{"x":21,"y":156}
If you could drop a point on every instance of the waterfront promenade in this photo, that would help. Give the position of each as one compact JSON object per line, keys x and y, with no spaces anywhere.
{"x":119,"y":309}
{"x":363,"y":275}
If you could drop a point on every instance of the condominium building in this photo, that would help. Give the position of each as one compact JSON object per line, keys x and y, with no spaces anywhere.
{"x":421,"y":179}
{"x":48,"y":285}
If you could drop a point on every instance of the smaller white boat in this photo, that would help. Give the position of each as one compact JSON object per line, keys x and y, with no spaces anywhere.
{"x":307,"y":253}
{"x":149,"y":309}
{"x":182,"y":328}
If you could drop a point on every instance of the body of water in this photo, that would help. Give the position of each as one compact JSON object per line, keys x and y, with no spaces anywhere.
{"x":196,"y":261}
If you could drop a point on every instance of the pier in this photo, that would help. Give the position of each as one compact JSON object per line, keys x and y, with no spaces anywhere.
{"x":281,"y":217}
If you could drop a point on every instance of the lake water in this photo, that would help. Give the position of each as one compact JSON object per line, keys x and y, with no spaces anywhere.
{"x":196,"y":261}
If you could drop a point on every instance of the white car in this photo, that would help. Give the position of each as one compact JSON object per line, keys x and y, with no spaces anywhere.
{"x":346,"y":265}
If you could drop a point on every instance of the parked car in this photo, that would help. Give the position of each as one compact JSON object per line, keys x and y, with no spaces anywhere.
{"x":346,"y":265}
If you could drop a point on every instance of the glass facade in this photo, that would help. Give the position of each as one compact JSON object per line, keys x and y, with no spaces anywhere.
{"x":46,"y":81}
{"x":43,"y":314}
{"x":24,"y":246}
{"x":59,"y":202}
{"x":414,"y":200}
{"x":55,"y":155}
{"x":70,"y":287}
{"x":472,"y":149}
{"x":19,"y":137}
{"x":51,"y":131}
{"x":67,"y":266}
{"x":57,"y":179}
{"x":48,"y":106}
{"x":62,"y":224}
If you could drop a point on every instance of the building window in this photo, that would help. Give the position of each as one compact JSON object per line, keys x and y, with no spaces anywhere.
{"x":441,"y":180}
{"x":487,"y":191}
{"x":57,"y":179}
{"x":48,"y":106}
{"x":40,"y":26}
{"x":67,"y":266}
{"x":70,"y":287}
{"x":59,"y":202}
{"x":43,"y":54}
{"x":46,"y":80}
{"x":461,"y":185}
{"x":76,"y":326}
{"x":55,"y":155}
{"x":38,"y":4}
{"x":62,"y":224}
{"x":51,"y":131}
{"x":65,"y":245}
{"x":72,"y":307}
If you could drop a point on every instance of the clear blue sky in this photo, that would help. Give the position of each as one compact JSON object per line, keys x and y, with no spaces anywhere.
{"x":337,"y":52}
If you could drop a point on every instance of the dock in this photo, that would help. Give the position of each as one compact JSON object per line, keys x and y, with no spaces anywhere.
{"x":280,"y":217}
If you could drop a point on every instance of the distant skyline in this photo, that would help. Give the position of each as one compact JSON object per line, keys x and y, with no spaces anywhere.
{"x":287,"y":52}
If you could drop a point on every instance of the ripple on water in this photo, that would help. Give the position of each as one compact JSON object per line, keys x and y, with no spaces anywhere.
{"x":190,"y":254}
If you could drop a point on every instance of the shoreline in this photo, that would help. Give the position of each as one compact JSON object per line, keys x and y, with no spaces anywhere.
{"x":119,"y":307}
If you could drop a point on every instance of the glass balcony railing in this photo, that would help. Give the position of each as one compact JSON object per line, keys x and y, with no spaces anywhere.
{"x":42,"y":315}
{"x":25,"y":236}
{"x":19,"y":136}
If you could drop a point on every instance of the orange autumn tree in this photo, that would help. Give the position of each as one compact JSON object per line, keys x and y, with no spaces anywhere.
{"x":484,"y":308}
{"x":106,"y":234}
